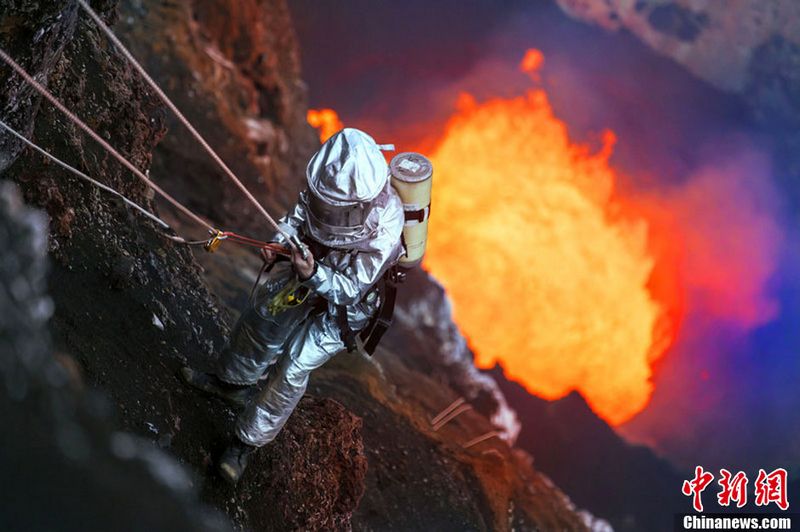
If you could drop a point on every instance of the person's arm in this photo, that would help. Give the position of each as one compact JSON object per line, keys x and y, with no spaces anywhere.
{"x":293,"y":220}
{"x":290,"y":223}
{"x":343,"y":287}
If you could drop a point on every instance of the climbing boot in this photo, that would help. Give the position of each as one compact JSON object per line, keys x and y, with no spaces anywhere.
{"x":234,"y":460}
{"x":235,"y":394}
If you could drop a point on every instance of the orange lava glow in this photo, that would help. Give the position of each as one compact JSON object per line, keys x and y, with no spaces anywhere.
{"x":550,"y":274}
{"x":532,"y":61}
{"x":326,"y":121}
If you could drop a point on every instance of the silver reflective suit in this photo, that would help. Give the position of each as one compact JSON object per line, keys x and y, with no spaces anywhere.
{"x":351,"y":209}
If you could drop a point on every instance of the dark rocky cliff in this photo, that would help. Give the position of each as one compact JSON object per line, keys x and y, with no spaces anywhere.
{"x":750,"y":48}
{"x":631,"y":487}
{"x":130,"y":306}
{"x":65,"y":465}
{"x":234,"y":68}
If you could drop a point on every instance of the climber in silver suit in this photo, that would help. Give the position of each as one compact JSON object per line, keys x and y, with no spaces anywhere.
{"x":352,"y":220}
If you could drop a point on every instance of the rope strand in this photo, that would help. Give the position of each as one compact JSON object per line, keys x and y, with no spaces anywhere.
{"x":77,"y":121}
{"x":83,"y":176}
{"x":224,"y":235}
{"x":164,"y":98}
{"x":66,"y":166}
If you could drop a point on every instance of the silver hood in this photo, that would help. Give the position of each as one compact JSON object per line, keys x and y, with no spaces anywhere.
{"x":344,"y":178}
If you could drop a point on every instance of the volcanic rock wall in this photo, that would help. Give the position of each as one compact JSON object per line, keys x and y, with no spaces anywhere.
{"x":720,"y":41}
{"x":131,"y":306}
{"x":58,"y":441}
{"x":234,"y":68}
{"x":750,"y":47}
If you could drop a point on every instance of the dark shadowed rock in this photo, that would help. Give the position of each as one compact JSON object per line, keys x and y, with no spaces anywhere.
{"x":36,"y":34}
{"x":628,"y":485}
{"x":773,"y":84}
{"x":323,"y":449}
{"x":715,"y":42}
{"x":679,"y":22}
{"x":750,"y":48}
{"x":59,"y":448}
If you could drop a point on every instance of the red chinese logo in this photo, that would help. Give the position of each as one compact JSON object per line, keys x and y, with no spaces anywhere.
{"x":696,"y":486}
{"x":769,"y":488}
{"x":734,"y":488}
{"x":772,"y":488}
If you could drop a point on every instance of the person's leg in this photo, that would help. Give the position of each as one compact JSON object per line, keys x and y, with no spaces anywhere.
{"x":257,"y":339}
{"x":260,"y":335}
{"x":254,"y":344}
{"x":264,"y":417}
{"x":314,"y":345}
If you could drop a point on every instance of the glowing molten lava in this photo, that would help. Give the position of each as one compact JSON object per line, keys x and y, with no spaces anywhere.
{"x":532,"y":61}
{"x":548,"y":274}
{"x":324,"y":120}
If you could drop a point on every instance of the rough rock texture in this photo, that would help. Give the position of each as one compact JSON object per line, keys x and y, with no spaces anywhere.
{"x":131,"y":306}
{"x":58,"y":441}
{"x":424,"y":321}
{"x":633,"y":488}
{"x":238,"y":76}
{"x":718,"y":40}
{"x":750,"y":48}
{"x":42,"y":31}
{"x":323,"y":457}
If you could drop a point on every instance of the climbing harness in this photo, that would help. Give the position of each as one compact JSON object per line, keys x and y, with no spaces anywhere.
{"x":371,"y":335}
{"x":368,"y":338}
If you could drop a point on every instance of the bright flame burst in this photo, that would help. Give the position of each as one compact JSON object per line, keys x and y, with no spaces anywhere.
{"x":548,"y":274}
{"x":326,"y":121}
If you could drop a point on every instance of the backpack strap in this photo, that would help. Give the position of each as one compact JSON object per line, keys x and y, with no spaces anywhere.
{"x":348,"y":335}
{"x":387,"y":291}
{"x":382,"y":320}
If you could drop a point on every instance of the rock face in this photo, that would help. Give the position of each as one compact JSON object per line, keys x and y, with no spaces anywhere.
{"x":233,"y":67}
{"x":43,"y":35}
{"x":320,"y":461}
{"x":424,"y":322}
{"x":719,"y":41}
{"x":750,"y":48}
{"x":58,"y":442}
{"x":131,"y":306}
{"x":631,"y":487}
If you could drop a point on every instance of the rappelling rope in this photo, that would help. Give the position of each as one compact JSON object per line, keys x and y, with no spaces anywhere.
{"x":89,"y":131}
{"x":164,"y":98}
{"x":83,"y":176}
{"x":219,"y":235}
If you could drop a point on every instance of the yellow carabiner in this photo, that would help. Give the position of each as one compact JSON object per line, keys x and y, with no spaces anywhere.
{"x":214,"y":242}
